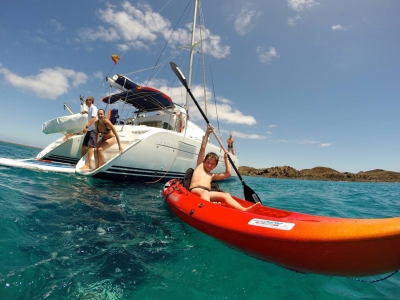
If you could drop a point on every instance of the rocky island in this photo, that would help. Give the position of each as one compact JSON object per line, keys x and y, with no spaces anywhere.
{"x":321,"y":173}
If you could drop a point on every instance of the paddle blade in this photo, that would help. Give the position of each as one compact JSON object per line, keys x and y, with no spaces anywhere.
{"x":179,"y":74}
{"x":249,"y":194}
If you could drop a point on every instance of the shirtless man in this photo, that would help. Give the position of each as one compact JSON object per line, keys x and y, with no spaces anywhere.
{"x":230,"y":144}
{"x":201,"y":180}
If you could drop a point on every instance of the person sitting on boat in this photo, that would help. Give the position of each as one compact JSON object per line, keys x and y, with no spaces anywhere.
{"x":202,"y":177}
{"x":89,"y":141}
{"x":108,"y":135}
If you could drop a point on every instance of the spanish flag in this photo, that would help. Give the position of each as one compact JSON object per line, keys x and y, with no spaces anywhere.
{"x":115,"y":58}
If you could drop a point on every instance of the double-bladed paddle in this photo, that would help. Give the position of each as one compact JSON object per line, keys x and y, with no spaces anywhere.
{"x":249,"y":194}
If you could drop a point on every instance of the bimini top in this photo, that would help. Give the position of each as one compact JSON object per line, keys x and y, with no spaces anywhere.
{"x":144,"y":98}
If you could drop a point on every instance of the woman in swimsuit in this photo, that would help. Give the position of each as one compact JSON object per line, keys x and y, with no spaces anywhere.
{"x":108,"y":134}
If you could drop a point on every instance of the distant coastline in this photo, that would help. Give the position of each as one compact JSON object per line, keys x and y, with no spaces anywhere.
{"x":20,"y":144}
{"x":317,"y":173}
{"x":321,"y":173}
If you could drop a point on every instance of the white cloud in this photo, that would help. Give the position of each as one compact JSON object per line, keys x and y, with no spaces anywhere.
{"x":101,"y":33}
{"x":294,"y":21}
{"x":98,"y":75}
{"x":226,"y":112}
{"x":338,"y":27}
{"x":57,"y":25}
{"x":308,"y":142}
{"x":49,"y":83}
{"x":251,"y":136}
{"x":267,"y":56}
{"x":272,"y":126}
{"x":325,"y":144}
{"x":245,"y":21}
{"x":40,"y":40}
{"x":140,"y":27}
{"x":299,"y":5}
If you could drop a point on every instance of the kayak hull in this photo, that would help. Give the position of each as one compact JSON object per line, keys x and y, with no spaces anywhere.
{"x":300,"y":242}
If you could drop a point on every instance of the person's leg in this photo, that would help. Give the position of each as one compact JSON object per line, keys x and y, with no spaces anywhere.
{"x":97,"y":154}
{"x":91,"y":144}
{"x":229,"y":201}
{"x":83,"y":151}
{"x":85,"y":144}
{"x":104,"y":146}
{"x":203,"y":194}
{"x":89,"y":157}
{"x":96,"y":158}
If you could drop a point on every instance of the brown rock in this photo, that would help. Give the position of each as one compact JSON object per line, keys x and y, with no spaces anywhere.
{"x":321,"y":173}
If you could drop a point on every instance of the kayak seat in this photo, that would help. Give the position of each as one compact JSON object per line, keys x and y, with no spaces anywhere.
{"x":188,"y":178}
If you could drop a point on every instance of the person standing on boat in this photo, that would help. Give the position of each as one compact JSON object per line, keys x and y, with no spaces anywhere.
{"x":89,"y":141}
{"x":230,"y":144}
{"x":108,"y":134}
{"x":202,"y":177}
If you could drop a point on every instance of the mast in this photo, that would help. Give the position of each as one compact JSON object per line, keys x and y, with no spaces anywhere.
{"x":204,"y":71}
{"x":196,"y":3}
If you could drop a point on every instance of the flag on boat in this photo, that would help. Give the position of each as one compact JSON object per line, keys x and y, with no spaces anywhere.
{"x":115,"y":58}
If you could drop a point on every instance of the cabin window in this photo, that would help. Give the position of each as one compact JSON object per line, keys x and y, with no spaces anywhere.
{"x":156,"y":124}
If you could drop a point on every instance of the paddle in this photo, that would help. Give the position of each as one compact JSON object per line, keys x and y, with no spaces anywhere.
{"x":249,"y":194}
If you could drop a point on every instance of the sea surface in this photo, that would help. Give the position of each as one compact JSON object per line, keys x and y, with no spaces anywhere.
{"x":71,"y":237}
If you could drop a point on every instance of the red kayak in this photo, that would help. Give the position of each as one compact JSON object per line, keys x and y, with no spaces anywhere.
{"x":301,"y":242}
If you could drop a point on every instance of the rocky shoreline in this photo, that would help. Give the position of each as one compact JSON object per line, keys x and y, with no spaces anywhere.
{"x":321,"y":173}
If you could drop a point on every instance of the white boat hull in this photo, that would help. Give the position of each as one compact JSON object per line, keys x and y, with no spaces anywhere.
{"x":34,"y":164}
{"x":152,"y":155}
{"x":68,"y":151}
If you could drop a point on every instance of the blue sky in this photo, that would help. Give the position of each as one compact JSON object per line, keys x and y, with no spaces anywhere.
{"x":302,"y":83}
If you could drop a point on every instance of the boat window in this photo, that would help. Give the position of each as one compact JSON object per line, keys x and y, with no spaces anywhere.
{"x":156,"y":124}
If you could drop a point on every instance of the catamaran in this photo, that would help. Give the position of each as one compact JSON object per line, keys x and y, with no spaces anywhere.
{"x":159,"y":141}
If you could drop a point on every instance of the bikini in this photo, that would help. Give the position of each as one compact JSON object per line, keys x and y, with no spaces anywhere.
{"x":200,"y":187}
{"x":105,"y":132}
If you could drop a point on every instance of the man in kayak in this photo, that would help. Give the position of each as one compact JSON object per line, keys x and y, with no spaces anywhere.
{"x":202,"y":177}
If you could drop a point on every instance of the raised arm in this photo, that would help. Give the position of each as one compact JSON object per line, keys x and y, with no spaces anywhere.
{"x":228,"y":170}
{"x":203,"y":146}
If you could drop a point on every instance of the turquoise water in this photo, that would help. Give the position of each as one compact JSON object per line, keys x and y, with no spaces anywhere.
{"x":70,"y":237}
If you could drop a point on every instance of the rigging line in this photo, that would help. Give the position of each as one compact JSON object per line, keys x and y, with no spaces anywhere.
{"x":136,"y":38}
{"x":209,"y":63}
{"x":215,"y":100}
{"x":177,"y":152}
{"x":170,"y":36}
{"x":167,"y":60}
{"x":202,"y":56}
{"x":375,"y":280}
